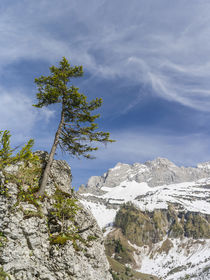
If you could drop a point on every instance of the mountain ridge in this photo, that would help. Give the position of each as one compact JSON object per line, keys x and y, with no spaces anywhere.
{"x":176,"y":239}
{"x":141,"y":172}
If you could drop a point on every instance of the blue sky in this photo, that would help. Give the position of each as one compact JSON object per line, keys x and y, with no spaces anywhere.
{"x":149,"y":61}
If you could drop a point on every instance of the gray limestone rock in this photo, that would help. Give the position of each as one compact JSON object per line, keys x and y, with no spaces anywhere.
{"x":157,"y":172}
{"x":25,"y":249}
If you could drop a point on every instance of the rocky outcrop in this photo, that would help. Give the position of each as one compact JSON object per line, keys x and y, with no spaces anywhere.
{"x":166,"y":243}
{"x":49,"y":239}
{"x":146,"y":228}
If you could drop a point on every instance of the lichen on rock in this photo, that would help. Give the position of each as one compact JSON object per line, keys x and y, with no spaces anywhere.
{"x":28,"y":227}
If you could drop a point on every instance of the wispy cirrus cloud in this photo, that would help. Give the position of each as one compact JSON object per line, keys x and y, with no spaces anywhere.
{"x":18,"y":115}
{"x":152,"y":48}
{"x":161,"y":44}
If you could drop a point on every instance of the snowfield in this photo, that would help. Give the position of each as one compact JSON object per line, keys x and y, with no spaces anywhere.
{"x":152,"y":186}
{"x":170,"y":265}
{"x":191,"y":196}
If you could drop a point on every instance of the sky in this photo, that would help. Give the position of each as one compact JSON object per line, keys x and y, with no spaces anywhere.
{"x":149,"y":61}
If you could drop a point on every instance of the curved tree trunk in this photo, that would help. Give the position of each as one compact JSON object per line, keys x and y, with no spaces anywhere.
{"x":51,"y":156}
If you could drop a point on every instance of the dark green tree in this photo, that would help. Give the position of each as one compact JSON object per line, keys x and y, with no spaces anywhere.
{"x":77,"y":130}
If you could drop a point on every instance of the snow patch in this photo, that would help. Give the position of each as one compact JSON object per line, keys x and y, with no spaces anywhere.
{"x":104,"y":216}
{"x":127,"y":190}
{"x":185,"y":257}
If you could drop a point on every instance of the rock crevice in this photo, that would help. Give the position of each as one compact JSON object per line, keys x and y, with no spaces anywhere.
{"x":28,"y":245}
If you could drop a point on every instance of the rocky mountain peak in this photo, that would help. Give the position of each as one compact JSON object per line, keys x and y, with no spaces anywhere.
{"x":204,"y":165}
{"x":155,"y":216}
{"x":156,"y":172}
{"x":160,"y":162}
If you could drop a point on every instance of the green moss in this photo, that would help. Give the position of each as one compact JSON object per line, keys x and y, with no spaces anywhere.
{"x":92,"y":238}
{"x":60,"y":239}
{"x":28,"y":196}
{"x":4,"y":190}
{"x":3,"y":239}
{"x":27,"y":214}
{"x":4,"y":275}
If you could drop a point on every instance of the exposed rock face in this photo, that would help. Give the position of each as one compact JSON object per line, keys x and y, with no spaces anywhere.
{"x":156,"y":217}
{"x":157,"y":172}
{"x":146,"y":228}
{"x":165,"y":243}
{"x":171,"y":244}
{"x":25,"y":230}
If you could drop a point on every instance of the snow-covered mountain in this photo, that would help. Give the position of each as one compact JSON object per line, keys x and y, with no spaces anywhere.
{"x":157,"y":185}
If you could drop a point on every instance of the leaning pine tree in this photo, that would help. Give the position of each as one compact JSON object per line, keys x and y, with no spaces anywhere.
{"x":77,"y":129}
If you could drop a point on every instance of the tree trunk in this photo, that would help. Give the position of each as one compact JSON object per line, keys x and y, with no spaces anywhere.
{"x":51,"y":156}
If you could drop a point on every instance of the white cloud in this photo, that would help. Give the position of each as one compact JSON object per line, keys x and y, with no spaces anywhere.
{"x":18,"y":115}
{"x":163,"y":44}
{"x":167,"y":49}
{"x":158,"y":44}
